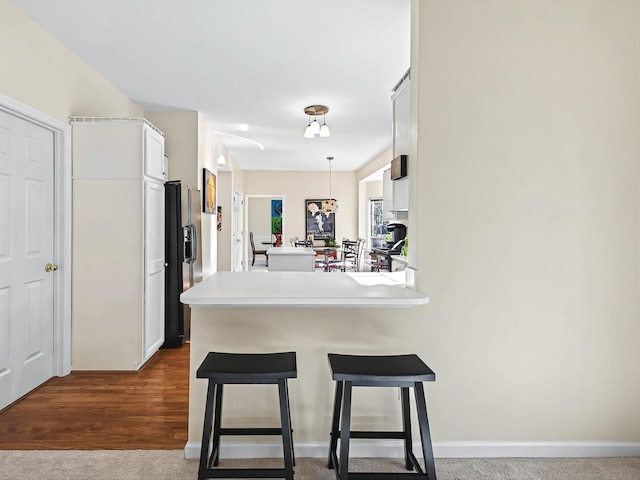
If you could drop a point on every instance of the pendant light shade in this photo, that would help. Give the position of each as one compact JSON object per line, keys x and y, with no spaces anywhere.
{"x":314,"y":128}
{"x":308,"y":132}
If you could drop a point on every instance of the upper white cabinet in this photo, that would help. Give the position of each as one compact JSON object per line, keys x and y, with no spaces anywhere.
{"x":387,"y":195}
{"x":401,"y":144}
{"x":402,"y":119}
{"x":154,"y":161}
{"x":118,"y":243}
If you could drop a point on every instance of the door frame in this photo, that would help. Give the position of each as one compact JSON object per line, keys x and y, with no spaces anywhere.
{"x":61,"y":224}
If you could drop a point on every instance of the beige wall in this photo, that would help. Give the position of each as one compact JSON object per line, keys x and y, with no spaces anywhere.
{"x":527,"y":217}
{"x":296,"y":187}
{"x":224,"y":200}
{"x":258,"y":211}
{"x":382,"y":160}
{"x":38,"y":71}
{"x":206,"y":159}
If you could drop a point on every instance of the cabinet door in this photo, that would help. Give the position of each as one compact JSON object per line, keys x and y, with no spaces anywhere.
{"x":401,"y":194}
{"x":153,"y":328}
{"x":387,"y":195}
{"x":402,"y":120}
{"x":153,"y":154}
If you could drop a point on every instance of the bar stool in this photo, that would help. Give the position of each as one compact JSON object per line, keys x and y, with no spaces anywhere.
{"x":244,"y":368}
{"x":404,"y":371}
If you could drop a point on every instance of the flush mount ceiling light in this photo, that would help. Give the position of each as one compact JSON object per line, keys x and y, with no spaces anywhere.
{"x":314,"y":128}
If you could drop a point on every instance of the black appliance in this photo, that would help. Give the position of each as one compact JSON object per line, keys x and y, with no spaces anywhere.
{"x":398,"y":232}
{"x":182,"y":257}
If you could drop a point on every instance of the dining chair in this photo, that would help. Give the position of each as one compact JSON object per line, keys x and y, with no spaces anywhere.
{"x":255,"y":252}
{"x":350,"y":253}
{"x":296,"y":242}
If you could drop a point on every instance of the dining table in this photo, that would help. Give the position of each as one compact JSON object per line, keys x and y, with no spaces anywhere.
{"x":328,"y":251}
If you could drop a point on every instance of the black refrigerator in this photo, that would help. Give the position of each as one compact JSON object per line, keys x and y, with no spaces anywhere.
{"x":183,"y":257}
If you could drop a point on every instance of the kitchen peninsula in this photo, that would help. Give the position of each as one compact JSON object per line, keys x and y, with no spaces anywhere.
{"x":310,"y":313}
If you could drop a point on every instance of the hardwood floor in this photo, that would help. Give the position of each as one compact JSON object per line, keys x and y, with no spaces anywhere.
{"x":145,"y":410}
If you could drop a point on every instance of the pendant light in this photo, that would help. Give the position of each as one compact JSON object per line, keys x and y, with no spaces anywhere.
{"x":313,"y":128}
{"x":308,"y":132}
{"x":331,"y":204}
{"x":324,"y":129}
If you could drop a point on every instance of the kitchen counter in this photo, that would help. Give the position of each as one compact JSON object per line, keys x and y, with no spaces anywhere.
{"x":303,"y":289}
{"x":311,"y":313}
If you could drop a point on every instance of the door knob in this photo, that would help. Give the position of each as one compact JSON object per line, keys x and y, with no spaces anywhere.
{"x":50,"y":267}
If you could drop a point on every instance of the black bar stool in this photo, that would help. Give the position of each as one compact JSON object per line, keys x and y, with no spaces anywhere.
{"x":404,"y":371}
{"x":245,"y":368}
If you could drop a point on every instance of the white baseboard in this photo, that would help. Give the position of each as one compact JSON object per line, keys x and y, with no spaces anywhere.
{"x":393,"y":449}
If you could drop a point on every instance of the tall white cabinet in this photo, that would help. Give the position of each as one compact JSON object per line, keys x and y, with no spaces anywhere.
{"x":118,"y":243}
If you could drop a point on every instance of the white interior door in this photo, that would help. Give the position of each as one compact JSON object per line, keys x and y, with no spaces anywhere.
{"x":236,"y":237}
{"x":26,"y":247}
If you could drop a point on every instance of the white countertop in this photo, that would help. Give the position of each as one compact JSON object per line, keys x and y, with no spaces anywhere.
{"x":291,"y":251}
{"x":303,"y":289}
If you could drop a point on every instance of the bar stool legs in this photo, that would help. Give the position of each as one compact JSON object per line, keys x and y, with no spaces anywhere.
{"x":287,"y":439}
{"x":341,"y":429}
{"x":425,"y":434}
{"x":221,"y":369}
{"x":403,"y":371}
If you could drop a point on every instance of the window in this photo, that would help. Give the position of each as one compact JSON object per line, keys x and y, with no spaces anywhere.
{"x":376,"y":218}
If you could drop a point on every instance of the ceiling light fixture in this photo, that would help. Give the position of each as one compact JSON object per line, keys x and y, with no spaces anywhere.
{"x":314,"y":128}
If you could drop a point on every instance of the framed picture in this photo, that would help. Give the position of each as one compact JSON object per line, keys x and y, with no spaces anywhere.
{"x":319,"y":222}
{"x":208,"y":192}
{"x":219,"y":219}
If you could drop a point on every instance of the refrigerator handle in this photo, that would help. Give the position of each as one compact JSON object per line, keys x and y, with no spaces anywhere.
{"x":194,"y":243}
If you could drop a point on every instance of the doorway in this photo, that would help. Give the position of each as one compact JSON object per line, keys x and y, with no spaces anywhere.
{"x":35,"y":249}
{"x":265,"y":217}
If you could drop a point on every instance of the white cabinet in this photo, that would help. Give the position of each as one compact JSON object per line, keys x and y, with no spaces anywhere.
{"x":387,"y":195}
{"x":401,"y":194}
{"x":402,"y":119}
{"x":118,"y":243}
{"x":401,"y":142}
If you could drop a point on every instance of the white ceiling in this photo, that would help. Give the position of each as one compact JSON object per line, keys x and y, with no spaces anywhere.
{"x":253,"y":62}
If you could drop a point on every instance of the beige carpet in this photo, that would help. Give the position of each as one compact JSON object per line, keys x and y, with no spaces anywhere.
{"x":170,"y":465}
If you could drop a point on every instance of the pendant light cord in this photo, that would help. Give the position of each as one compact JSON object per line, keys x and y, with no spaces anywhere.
{"x":330,"y":182}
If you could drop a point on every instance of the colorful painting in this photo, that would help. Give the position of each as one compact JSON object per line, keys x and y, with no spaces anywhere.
{"x":208,"y":191}
{"x":219,"y":220}
{"x":276,"y":208}
{"x":276,"y":224}
{"x":319,"y":222}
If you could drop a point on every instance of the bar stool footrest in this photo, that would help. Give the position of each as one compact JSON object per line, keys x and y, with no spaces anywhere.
{"x":251,"y":431}
{"x":375,"y":434}
{"x":385,"y":476}
{"x":244,"y":473}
